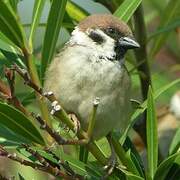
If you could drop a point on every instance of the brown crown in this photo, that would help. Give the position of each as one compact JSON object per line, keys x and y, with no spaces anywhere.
{"x":104,"y":21}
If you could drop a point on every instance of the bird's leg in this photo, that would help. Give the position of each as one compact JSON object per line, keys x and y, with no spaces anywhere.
{"x":83,"y":138}
{"x":112,"y":159}
{"x":76,"y":122}
{"x":75,"y":125}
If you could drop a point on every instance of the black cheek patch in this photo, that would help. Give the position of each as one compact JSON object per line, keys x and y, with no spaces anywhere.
{"x":96,"y":37}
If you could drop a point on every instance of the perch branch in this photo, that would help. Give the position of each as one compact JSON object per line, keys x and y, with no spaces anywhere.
{"x":62,"y":115}
{"x":47,"y":169}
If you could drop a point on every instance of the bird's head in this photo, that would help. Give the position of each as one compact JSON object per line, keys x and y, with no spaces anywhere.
{"x":108,"y":36}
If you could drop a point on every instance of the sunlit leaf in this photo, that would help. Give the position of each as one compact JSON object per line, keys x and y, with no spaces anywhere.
{"x":152,"y":138}
{"x":75,"y":12}
{"x":126,"y":9}
{"x":12,"y":56}
{"x":10,"y":138}
{"x":54,"y":23}
{"x":10,"y":26}
{"x":19,"y":124}
{"x":38,"y":8}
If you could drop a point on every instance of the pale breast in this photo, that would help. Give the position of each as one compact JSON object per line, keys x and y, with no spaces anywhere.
{"x":78,"y":78}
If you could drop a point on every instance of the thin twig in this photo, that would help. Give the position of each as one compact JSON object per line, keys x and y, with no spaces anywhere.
{"x":56,"y":171}
{"x":64,"y":164}
{"x":10,"y":91}
{"x":60,"y":140}
{"x":60,"y":113}
{"x":4,"y":89}
{"x":27,"y":80}
{"x":45,"y":168}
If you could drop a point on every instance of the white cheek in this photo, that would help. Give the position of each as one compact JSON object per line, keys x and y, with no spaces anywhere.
{"x":105,"y":49}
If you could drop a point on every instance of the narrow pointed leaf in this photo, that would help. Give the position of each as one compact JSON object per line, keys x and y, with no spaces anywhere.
{"x":10,"y":26}
{"x":38,"y":8}
{"x":170,"y":13}
{"x":54,"y":23}
{"x":165,"y":166}
{"x":14,"y":4}
{"x":152,"y":138}
{"x":175,"y":144}
{"x":126,"y":9}
{"x":144,"y":106}
{"x":124,"y":156}
{"x":130,"y":176}
{"x":170,"y":27}
{"x":75,"y":11}
{"x":19,"y":124}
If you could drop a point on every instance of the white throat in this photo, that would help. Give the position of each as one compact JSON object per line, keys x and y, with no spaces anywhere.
{"x":104,"y":50}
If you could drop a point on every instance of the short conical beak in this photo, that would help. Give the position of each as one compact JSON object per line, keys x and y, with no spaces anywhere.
{"x":128,"y":43}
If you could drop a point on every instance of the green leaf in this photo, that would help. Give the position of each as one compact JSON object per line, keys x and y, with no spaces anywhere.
{"x":19,"y":124}
{"x":144,"y":106}
{"x":124,"y":157}
{"x":165,"y":166}
{"x":54,"y":23}
{"x":10,"y":138}
{"x":170,"y":13}
{"x":81,"y":167}
{"x":130,"y":176}
{"x":91,"y":171}
{"x":14,"y":4}
{"x":10,"y":26}
{"x":175,"y":144}
{"x":134,"y":155}
{"x":12,"y":56}
{"x":171,"y":26}
{"x":21,"y":177}
{"x":152,"y":138}
{"x":75,"y":12}
{"x":83,"y":154}
{"x":38,"y":8}
{"x":126,"y":9}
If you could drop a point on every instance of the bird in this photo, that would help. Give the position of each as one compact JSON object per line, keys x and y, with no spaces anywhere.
{"x":91,"y":65}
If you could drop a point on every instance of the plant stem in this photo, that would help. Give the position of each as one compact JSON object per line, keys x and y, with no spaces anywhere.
{"x":34,"y":76}
{"x":143,"y":69}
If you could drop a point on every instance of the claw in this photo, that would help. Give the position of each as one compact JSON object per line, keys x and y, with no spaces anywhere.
{"x":49,"y":93}
{"x":112,"y":162}
{"x":56,"y":108}
{"x":110,"y":166}
{"x":76,"y":122}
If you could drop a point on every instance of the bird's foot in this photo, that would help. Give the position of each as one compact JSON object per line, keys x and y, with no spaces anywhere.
{"x":76,"y":122}
{"x":112,"y":162}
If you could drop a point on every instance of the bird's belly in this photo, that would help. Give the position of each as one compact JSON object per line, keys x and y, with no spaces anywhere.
{"x":80,"y":84}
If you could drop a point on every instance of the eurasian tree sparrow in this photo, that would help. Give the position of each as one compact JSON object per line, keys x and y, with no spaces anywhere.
{"x":91,"y":65}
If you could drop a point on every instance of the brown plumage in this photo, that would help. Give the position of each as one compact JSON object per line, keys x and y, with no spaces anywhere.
{"x":103,"y":21}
